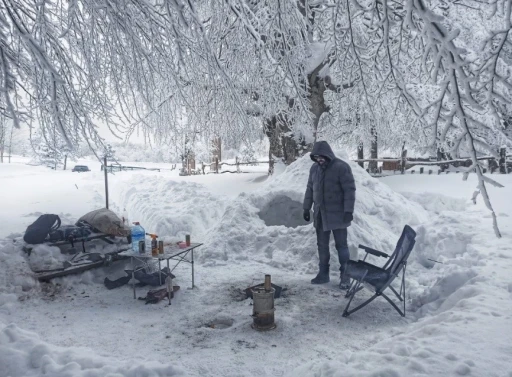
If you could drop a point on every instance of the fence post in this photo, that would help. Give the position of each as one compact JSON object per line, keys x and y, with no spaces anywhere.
{"x":216,"y":165}
{"x":403,"y":161}
{"x":237,"y":164}
{"x":106,"y":180}
{"x":503,"y":160}
{"x":360,"y":154}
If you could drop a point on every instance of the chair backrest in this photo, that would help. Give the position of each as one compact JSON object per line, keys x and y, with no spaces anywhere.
{"x":403,"y":249}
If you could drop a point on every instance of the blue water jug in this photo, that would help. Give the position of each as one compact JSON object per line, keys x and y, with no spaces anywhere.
{"x":138,"y":234}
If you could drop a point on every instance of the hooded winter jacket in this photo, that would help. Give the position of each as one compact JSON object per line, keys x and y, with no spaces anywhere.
{"x":331,"y":188}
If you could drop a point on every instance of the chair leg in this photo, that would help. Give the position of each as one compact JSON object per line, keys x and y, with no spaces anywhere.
{"x":396,"y":293}
{"x":353,"y":288}
{"x":347,"y":312}
{"x":355,"y":291}
{"x":349,"y":290}
{"x":394,"y":305}
{"x":403,"y":281}
{"x":355,"y":285}
{"x":352,"y":292}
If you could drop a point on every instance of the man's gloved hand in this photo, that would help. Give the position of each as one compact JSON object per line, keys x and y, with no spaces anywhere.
{"x":306,"y":215}
{"x":348,"y":217}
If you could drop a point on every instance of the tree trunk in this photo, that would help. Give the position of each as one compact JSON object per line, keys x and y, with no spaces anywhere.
{"x":2,"y":138}
{"x":10,"y":144}
{"x":282,"y":142}
{"x":272,"y":132}
{"x":65,"y":161}
{"x":290,"y":149}
{"x":503,"y":160}
{"x":373,"y":165}
{"x":216,"y":149}
{"x":317,"y":101}
{"x":441,"y":156}
{"x":360,"y":154}
{"x":403,"y":162}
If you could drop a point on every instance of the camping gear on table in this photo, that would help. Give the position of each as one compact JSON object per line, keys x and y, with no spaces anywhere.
{"x":154,"y":244}
{"x":70,"y":233}
{"x":138,"y":234}
{"x":105,"y":221}
{"x":38,"y":231}
{"x":378,"y":279}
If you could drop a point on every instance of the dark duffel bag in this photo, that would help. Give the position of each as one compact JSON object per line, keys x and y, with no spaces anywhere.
{"x":41,"y":228}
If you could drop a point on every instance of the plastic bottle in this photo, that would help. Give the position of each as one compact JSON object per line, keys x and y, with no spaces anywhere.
{"x":126,"y":221}
{"x":138,"y":234}
{"x":154,"y":245}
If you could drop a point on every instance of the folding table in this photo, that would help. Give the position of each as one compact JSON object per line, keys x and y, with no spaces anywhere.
{"x":171,"y":252}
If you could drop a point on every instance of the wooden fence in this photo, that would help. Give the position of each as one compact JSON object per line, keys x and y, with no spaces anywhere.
{"x":503,"y":164}
{"x":216,"y":166}
{"x":116,"y":167}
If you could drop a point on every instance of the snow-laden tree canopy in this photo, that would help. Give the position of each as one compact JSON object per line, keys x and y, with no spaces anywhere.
{"x":433,"y":73}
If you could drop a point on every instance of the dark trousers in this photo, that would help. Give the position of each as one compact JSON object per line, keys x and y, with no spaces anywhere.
{"x":340,"y":241}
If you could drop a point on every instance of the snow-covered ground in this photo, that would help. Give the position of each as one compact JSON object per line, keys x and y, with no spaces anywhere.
{"x":458,"y":280}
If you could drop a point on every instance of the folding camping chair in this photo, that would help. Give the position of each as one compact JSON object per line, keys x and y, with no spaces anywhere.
{"x":378,"y":279}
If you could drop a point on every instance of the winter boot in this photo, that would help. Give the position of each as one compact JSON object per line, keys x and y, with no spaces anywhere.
{"x":323,"y":275}
{"x":344,"y":278}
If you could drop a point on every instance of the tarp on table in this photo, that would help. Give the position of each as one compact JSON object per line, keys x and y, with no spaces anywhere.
{"x":106,"y":222}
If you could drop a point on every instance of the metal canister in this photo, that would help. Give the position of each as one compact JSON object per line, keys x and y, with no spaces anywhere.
{"x":142,"y":247}
{"x":263,"y":309}
{"x":187,"y":239}
{"x":160,"y":247}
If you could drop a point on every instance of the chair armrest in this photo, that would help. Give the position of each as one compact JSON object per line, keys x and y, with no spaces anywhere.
{"x":377,"y":253}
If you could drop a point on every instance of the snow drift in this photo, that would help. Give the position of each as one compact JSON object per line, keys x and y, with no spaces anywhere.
{"x":458,"y":288}
{"x":241,"y":233}
{"x":22,"y":353}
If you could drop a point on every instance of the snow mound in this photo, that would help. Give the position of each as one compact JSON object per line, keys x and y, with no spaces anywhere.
{"x":447,"y":292}
{"x":282,"y":238}
{"x":437,"y":203}
{"x":16,"y":279}
{"x":446,"y":239}
{"x":22,"y":353}
{"x":45,"y":257}
{"x":168,"y":207}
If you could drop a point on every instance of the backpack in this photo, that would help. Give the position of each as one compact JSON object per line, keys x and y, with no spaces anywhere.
{"x":39,"y":229}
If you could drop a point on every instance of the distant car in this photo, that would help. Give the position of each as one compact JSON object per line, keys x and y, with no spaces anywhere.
{"x":81,"y":168}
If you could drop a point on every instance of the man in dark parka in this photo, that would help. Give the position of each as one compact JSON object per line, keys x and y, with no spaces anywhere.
{"x":332,"y":190}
